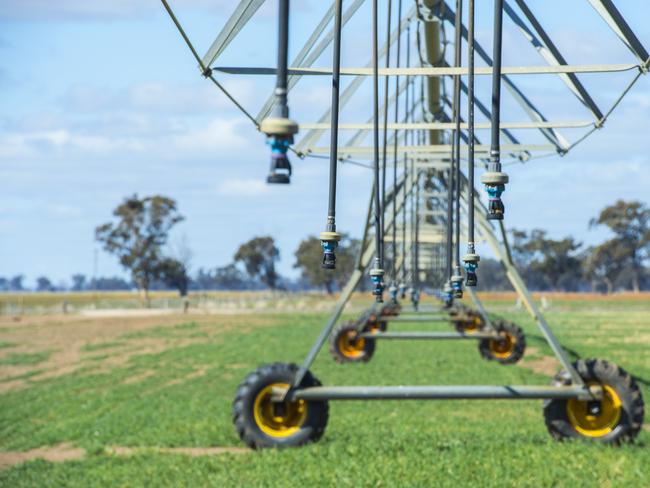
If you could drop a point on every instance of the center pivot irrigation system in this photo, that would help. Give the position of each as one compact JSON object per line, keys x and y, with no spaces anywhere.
{"x":418,"y":213}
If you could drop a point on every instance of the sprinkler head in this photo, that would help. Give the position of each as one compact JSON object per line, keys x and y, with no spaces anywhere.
{"x":471,"y":263}
{"x":415,"y":297}
{"x":377,"y":275}
{"x":457,"y":285}
{"x":447,"y":295}
{"x":280,"y":172}
{"x":495,"y":185}
{"x":280,"y":132}
{"x":392,"y":291}
{"x":329,"y":242}
{"x":402,"y":290}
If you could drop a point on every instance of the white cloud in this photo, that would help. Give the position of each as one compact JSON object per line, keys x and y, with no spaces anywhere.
{"x":242,"y":187}
{"x":97,"y":9}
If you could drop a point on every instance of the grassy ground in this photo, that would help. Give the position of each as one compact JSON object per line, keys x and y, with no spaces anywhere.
{"x":95,"y":388}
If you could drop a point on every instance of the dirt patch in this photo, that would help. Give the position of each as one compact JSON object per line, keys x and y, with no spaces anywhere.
{"x":547,"y":365}
{"x":194,"y":374}
{"x":69,"y":338}
{"x":55,"y":454}
{"x":187,"y":451}
{"x":138,"y":377}
{"x":66,"y":452}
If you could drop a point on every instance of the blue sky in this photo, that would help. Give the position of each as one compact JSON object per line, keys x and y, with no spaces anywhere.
{"x":101,"y":100}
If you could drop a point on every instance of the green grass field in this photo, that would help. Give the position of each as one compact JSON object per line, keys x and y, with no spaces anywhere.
{"x":169,"y":383}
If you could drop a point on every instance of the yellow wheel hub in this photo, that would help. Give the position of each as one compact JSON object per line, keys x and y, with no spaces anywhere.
{"x":503,"y":347}
{"x":351,"y":345}
{"x":278,"y":419}
{"x":595,"y":425}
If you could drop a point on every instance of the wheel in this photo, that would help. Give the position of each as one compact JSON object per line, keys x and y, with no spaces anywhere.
{"x":615,"y":419}
{"x":391,"y":309}
{"x":509,"y":348}
{"x":373,"y":324}
{"x":473,"y":322}
{"x":261,"y":422}
{"x":347,"y":347}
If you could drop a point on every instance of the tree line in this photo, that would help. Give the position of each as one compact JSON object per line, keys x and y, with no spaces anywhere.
{"x":139,"y":233}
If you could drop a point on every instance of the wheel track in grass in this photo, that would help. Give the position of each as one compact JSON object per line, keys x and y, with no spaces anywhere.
{"x":67,"y":452}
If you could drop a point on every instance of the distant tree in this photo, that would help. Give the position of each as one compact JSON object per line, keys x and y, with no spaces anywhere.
{"x":309,"y":257}
{"x":4,"y":284}
{"x":603,"y":265}
{"x":630,"y":223}
{"x":111,"y":284}
{"x":229,"y":278}
{"x":259,"y":256}
{"x":346,"y":258}
{"x":175,"y":274}
{"x":137,"y":238}
{"x":547,"y":263}
{"x":16,"y":283}
{"x":44,"y":284}
{"x":492,"y":276}
{"x":78,"y":282}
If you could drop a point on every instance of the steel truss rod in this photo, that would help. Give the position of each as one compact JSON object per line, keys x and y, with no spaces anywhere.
{"x":608,"y":11}
{"x":438,"y":70}
{"x":322,"y":393}
{"x":239,"y":18}
{"x":551,"y":54}
{"x":451,"y":336}
{"x":434,"y":149}
{"x":449,"y":125}
{"x":306,"y":57}
{"x":551,"y":134}
{"x":313,"y":135}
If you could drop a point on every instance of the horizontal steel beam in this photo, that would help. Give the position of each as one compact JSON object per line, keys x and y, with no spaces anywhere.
{"x":428,"y":335}
{"x":450,"y":126}
{"x":428,"y":318}
{"x":439,"y":148}
{"x":438,"y":71}
{"x":467,"y":392}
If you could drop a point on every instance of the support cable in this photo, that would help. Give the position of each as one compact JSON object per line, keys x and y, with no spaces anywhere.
{"x":330,"y":238}
{"x":377,"y":272}
{"x":205,"y":71}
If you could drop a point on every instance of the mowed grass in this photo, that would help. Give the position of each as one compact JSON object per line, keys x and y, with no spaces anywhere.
{"x":181,"y":397}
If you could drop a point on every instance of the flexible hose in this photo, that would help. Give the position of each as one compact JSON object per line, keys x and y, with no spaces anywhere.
{"x":334,"y":130}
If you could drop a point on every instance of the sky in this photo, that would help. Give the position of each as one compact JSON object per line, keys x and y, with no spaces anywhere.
{"x":100,"y":100}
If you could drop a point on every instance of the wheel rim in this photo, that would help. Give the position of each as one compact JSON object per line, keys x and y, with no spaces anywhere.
{"x":595,"y":425}
{"x":351,"y":345}
{"x":373,"y":327}
{"x":502,"y":348}
{"x":471,"y":325}
{"x":274,"y":423}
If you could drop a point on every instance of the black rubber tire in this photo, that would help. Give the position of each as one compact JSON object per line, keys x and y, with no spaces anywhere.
{"x":391,"y":309}
{"x":460,"y":325}
{"x":517,"y":351}
{"x":243,"y":417}
{"x":604,"y":373}
{"x":350,"y":328}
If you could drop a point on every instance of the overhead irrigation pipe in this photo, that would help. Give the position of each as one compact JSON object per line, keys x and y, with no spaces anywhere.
{"x":393,"y":287}
{"x":494,"y":179}
{"x":470,"y":259}
{"x":279,"y":128}
{"x":377,"y":272}
{"x":330,"y":238}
